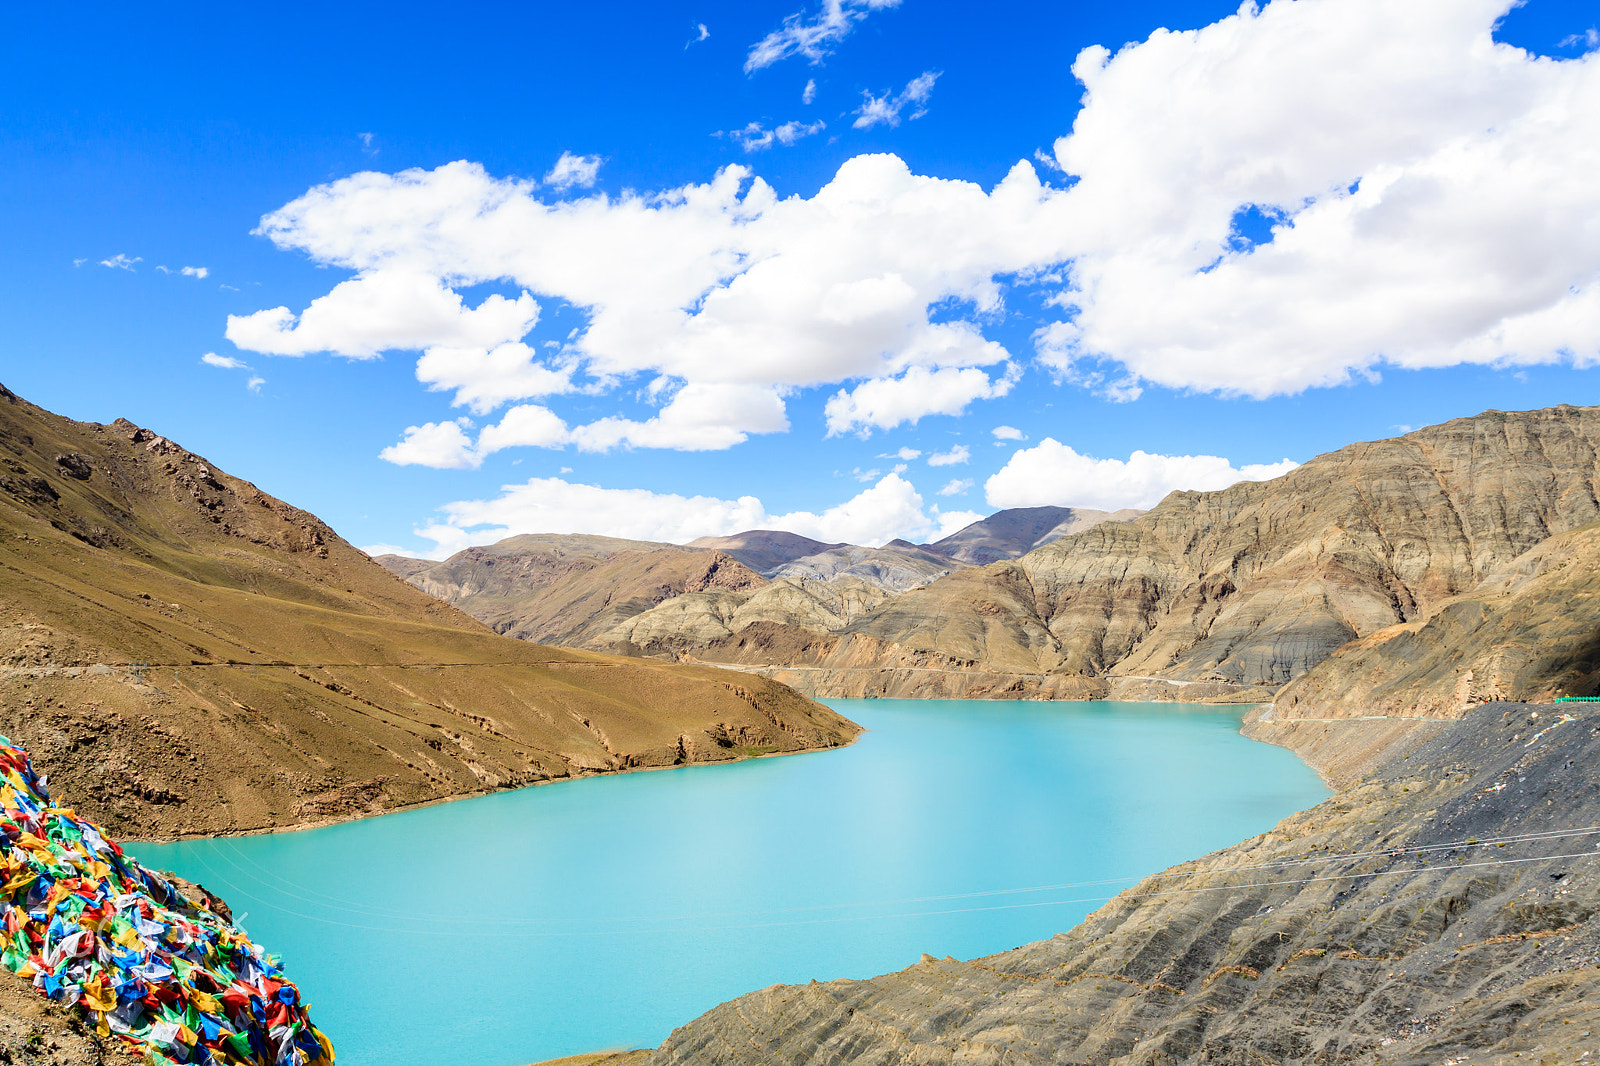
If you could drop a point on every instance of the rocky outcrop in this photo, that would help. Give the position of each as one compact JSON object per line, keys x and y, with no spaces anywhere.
{"x":1446,"y":910}
{"x":186,"y":654}
{"x":1530,"y":632}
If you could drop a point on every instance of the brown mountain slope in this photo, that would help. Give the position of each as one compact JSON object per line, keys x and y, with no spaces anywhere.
{"x":1251,"y":585}
{"x":664,"y":600}
{"x":1530,"y":632}
{"x":181,"y":652}
{"x":571,"y":590}
{"x":1017,"y":531}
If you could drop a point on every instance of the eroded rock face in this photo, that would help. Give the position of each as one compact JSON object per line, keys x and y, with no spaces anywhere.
{"x":1255,"y":584}
{"x":1530,"y":632}
{"x":1383,"y":926}
{"x":1017,"y":531}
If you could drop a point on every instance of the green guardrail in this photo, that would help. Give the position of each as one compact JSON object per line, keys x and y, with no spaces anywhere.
{"x":1577,"y":699}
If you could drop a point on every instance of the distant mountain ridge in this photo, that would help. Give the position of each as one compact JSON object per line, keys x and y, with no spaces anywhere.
{"x":1015,"y":532}
{"x":1229,"y":594}
{"x":1234,"y":591}
{"x":667,"y":600}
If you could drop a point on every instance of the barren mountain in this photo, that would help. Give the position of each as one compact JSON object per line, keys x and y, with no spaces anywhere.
{"x":1017,"y":531}
{"x":663,"y":599}
{"x":1529,"y":632}
{"x":1247,"y":587}
{"x":765,"y":550}
{"x":567,"y":589}
{"x":897,"y":566}
{"x":183,"y":653}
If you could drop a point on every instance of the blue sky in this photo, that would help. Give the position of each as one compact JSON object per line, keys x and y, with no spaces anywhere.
{"x":625,"y":357}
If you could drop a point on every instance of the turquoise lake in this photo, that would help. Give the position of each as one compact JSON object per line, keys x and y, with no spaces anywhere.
{"x":603,"y":912}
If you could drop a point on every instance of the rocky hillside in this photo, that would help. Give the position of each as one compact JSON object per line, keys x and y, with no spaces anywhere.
{"x":183,"y":653}
{"x":1445,"y":911}
{"x":1210,"y":595}
{"x":1019,"y":530}
{"x":686,"y":602}
{"x":570,"y":590}
{"x":1237,"y":590}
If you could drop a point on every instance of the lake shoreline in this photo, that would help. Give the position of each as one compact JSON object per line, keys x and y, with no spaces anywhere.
{"x":323,"y":823}
{"x":945,"y":831}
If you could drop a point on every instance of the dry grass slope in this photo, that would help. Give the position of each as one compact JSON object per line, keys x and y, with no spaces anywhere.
{"x":182,"y":653}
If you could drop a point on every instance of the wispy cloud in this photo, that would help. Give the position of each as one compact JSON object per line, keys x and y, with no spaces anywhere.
{"x":954,"y":457}
{"x":573,"y":170}
{"x":813,"y":37}
{"x":229,"y":362}
{"x":956,"y":487}
{"x":809,"y":93}
{"x":188,"y":272}
{"x":886,"y":109}
{"x":700,"y":34}
{"x":121,"y":262}
{"x":1589,"y":39}
{"x":757,"y":138}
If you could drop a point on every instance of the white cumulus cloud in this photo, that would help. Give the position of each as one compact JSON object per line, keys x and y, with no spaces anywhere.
{"x":1303,"y":192}
{"x":720,"y":284}
{"x":485,"y":378}
{"x":884,"y":403}
{"x":1053,"y":474}
{"x":889,"y":509}
{"x":1295,"y":196}
{"x":697,"y":418}
{"x":381,"y":310}
{"x":956,"y":486}
{"x":441,"y":445}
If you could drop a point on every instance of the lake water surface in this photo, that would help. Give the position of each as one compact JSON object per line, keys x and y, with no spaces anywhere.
{"x":603,"y":912}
